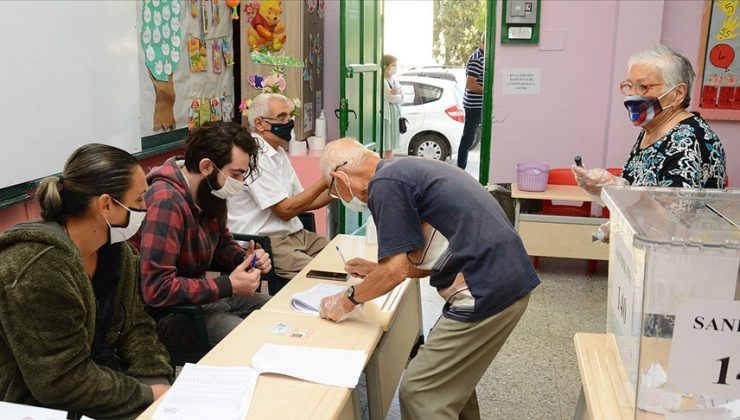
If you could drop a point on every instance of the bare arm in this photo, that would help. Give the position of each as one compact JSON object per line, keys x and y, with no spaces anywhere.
{"x":472,"y":85}
{"x":389,"y":272}
{"x":293,"y":206}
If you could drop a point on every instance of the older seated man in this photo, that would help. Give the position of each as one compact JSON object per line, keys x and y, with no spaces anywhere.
{"x":273,"y":197}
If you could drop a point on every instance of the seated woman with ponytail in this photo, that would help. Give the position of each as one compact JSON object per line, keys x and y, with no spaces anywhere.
{"x":73,"y":332}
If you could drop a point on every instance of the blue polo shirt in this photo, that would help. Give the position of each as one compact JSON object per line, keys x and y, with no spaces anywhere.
{"x":484,"y":247}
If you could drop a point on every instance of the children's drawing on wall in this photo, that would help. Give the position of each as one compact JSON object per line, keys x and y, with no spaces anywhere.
{"x":266,"y":30}
{"x":720,"y":95}
{"x":161,"y":41}
{"x":234,"y":6}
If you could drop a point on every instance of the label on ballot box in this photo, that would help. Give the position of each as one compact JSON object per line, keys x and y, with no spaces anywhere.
{"x":705,"y":352}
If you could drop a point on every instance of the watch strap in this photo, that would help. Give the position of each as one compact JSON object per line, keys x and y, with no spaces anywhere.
{"x":351,"y":295}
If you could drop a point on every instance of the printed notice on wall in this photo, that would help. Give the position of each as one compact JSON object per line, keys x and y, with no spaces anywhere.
{"x":522,"y":81}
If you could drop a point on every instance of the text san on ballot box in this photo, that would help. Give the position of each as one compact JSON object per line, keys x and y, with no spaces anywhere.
{"x":673,"y":321}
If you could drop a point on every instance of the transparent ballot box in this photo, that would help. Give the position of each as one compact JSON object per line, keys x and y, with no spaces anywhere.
{"x":673,"y":316}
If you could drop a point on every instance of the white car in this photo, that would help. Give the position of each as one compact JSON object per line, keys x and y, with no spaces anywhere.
{"x":433,"y":108}
{"x":455,"y":74}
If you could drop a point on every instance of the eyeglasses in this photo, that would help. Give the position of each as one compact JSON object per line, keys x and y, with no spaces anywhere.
{"x":333,"y":193}
{"x":279,"y":119}
{"x":638,"y":88}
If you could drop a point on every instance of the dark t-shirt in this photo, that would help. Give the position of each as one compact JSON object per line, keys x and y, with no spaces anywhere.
{"x":484,"y":247}
{"x":105,"y":282}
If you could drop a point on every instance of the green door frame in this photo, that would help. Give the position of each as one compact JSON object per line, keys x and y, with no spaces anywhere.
{"x":367,"y":114}
{"x":487,"y":111}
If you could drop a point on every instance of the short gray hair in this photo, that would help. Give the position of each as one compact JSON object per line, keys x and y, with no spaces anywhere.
{"x":673,"y":65}
{"x":260,"y":106}
{"x":340,"y":151}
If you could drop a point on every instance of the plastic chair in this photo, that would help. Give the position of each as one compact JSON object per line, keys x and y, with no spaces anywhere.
{"x":275,"y":282}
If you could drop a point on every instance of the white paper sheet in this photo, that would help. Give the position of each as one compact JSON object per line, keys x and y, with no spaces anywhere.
{"x":310,"y":300}
{"x":209,"y":392}
{"x":11,"y":411}
{"x":315,"y":364}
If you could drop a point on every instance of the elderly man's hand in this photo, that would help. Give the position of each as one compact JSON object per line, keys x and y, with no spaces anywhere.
{"x":359,"y":267}
{"x":592,"y":180}
{"x":336,"y":307}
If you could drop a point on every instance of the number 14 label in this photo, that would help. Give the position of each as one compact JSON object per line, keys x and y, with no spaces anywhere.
{"x":705,"y":353}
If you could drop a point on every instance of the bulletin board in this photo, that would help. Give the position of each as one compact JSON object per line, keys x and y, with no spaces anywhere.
{"x":717,"y":81}
{"x":192,"y":80}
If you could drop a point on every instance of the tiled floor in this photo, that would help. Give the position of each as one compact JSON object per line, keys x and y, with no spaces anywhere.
{"x":535,"y":375}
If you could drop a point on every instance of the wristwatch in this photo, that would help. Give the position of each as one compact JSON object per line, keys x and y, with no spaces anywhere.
{"x":351,"y":295}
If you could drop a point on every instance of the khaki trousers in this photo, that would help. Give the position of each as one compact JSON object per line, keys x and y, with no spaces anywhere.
{"x":293,"y":252}
{"x":440,"y":381}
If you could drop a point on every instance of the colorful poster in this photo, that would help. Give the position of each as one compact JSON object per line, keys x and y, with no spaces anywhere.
{"x":266,"y":27}
{"x":719,"y":92}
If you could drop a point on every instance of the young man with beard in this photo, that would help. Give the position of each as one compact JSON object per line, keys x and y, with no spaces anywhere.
{"x":184,"y":234}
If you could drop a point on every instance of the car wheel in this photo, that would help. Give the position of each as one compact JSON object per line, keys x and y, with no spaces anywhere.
{"x":429,"y":146}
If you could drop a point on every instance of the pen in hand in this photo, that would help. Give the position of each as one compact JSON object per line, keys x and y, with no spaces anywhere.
{"x":339,"y":251}
{"x":344,"y":260}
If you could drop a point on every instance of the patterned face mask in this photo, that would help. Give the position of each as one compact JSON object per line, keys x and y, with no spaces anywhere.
{"x":643,"y":109}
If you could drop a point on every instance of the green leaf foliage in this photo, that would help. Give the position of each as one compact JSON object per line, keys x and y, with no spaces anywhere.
{"x":457,"y":29}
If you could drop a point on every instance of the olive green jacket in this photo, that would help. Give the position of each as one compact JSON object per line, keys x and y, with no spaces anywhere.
{"x":47,"y":324}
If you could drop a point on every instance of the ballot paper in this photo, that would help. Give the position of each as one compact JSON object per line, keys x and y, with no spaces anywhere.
{"x":209,"y":392}
{"x":315,"y":364}
{"x":12,"y":411}
{"x":309,"y":301}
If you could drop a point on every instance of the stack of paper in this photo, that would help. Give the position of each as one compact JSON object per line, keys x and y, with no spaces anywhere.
{"x":209,"y":392}
{"x":310,"y":300}
{"x":22,"y":412}
{"x":315,"y":364}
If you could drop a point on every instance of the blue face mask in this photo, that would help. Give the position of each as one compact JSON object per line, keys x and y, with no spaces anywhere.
{"x":282,"y":130}
{"x":643,"y":109}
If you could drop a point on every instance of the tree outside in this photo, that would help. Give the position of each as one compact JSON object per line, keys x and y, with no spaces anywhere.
{"x":457,"y":28}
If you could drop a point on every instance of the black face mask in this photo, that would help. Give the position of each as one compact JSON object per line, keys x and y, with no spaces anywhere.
{"x":282,"y":130}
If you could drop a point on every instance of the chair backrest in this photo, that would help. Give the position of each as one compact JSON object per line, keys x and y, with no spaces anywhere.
{"x":561,"y":176}
{"x":564,"y":176}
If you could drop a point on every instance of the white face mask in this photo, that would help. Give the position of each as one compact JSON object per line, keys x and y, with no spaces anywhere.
{"x":393,"y":70}
{"x":231,"y":187}
{"x":123,"y":233}
{"x":355,"y":204}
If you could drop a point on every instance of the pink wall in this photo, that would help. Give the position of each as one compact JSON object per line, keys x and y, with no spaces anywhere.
{"x":583,"y":55}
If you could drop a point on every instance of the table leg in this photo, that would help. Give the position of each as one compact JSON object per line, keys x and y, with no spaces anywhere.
{"x":581,"y":412}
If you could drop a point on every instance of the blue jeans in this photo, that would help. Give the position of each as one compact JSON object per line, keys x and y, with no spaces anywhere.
{"x":472,"y":120}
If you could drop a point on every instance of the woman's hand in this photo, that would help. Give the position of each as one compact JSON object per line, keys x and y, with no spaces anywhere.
{"x":592,"y":180}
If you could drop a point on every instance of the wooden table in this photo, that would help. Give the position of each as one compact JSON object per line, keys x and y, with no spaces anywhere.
{"x":558,"y":236}
{"x":607,"y":392}
{"x":399,"y":316}
{"x":282,"y":397}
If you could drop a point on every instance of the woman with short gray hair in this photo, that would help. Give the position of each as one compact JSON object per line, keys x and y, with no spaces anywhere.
{"x":675,"y":148}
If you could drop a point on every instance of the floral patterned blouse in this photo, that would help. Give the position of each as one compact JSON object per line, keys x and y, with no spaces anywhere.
{"x":690,"y":155}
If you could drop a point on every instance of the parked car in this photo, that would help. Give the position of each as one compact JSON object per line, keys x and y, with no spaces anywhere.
{"x":455,"y":74}
{"x":433,"y":108}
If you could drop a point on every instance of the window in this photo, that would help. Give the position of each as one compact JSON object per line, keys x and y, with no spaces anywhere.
{"x":409,"y":94}
{"x":429,"y":93}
